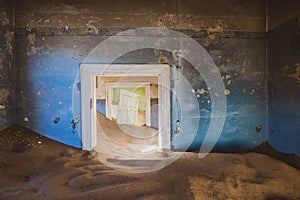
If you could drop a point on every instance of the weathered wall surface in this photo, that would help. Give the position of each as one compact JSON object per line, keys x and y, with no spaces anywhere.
{"x":284,"y":75}
{"x":7,"y":107}
{"x":54,"y":37}
{"x":280,"y":12}
{"x":176,"y":14}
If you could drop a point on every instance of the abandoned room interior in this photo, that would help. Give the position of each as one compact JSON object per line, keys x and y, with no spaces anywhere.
{"x":150,"y":99}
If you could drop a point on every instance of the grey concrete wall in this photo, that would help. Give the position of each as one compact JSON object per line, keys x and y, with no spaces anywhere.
{"x":284,"y":75}
{"x":53,"y":38}
{"x":7,"y":102}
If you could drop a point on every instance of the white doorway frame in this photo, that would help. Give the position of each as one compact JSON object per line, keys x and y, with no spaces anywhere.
{"x":118,"y":84}
{"x":88,"y":97}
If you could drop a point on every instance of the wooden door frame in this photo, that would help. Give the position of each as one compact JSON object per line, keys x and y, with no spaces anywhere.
{"x":88,"y":73}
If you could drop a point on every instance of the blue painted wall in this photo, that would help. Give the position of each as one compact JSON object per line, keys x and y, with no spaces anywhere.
{"x":284,"y":77}
{"x":100,"y":107}
{"x":45,"y":73}
{"x":243,"y":74}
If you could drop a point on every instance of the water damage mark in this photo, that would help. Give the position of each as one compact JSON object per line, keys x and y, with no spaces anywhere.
{"x":258,"y":128}
{"x":1,"y":60}
{"x":92,"y":28}
{"x":74,"y":123}
{"x":227,"y":92}
{"x":292,"y":72}
{"x":178,"y":127}
{"x":296,"y":74}
{"x":9,"y":35}
{"x":215,"y":33}
{"x":32,"y":50}
{"x":4,"y":94}
{"x":4,"y":20}
{"x":5,"y":99}
{"x":56,"y":120}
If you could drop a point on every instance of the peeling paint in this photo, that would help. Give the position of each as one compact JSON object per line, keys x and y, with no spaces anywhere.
{"x":32,"y":51}
{"x":258,"y":128}
{"x":4,"y":94}
{"x":291,"y":72}
{"x":1,"y":60}
{"x":91,"y":27}
{"x":6,"y":65}
{"x":201,"y":91}
{"x":4,"y":19}
{"x":56,"y":120}
{"x":227,"y":76}
{"x":215,"y":33}
{"x":31,"y":38}
{"x":296,"y":75}
{"x":162,"y":59}
{"x":9,"y":35}
{"x":32,"y":48}
{"x":227,"y":92}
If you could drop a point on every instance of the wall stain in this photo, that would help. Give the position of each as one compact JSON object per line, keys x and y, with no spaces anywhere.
{"x":1,"y":60}
{"x":32,"y":48}
{"x":31,"y":38}
{"x":296,"y":74}
{"x":4,"y":94}
{"x":291,"y":72}
{"x":9,"y":35}
{"x":215,"y":33}
{"x":5,"y":21}
{"x":202,"y":91}
{"x":258,"y":128}
{"x":227,"y":92}
{"x":6,"y":65}
{"x":162,"y":59}
{"x":56,"y":120}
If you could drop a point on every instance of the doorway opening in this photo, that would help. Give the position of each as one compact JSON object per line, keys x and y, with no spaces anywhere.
{"x":130,"y":104}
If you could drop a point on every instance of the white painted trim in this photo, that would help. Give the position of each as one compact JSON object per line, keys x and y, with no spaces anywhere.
{"x":88,"y":91}
{"x":164,"y":121}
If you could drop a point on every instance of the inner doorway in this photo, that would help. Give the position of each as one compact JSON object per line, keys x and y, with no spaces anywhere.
{"x":126,"y":99}
{"x":127,"y":111}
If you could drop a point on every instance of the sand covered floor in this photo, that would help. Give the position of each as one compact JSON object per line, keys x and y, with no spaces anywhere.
{"x":34,"y":167}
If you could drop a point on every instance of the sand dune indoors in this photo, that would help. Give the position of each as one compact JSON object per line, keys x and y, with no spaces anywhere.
{"x":34,"y":167}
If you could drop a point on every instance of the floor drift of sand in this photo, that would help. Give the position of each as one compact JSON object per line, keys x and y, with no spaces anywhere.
{"x":34,"y":167}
